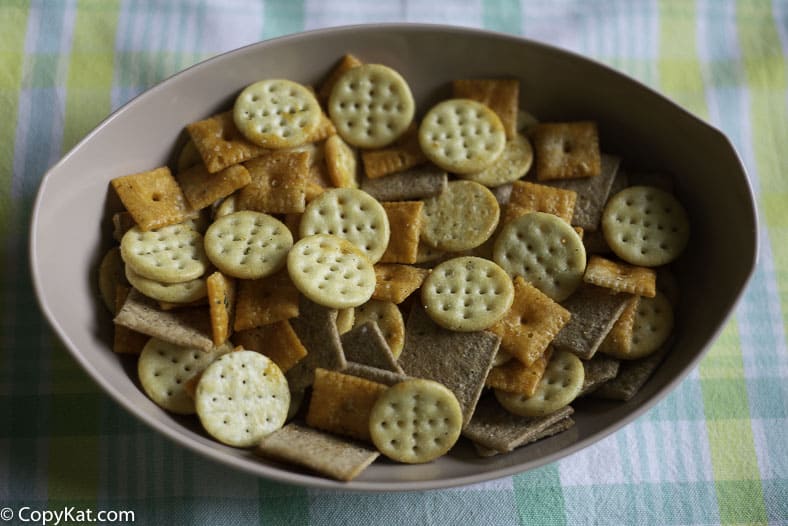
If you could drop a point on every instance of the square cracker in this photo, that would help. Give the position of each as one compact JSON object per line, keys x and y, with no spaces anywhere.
{"x":318,"y":451}
{"x":203,"y":188}
{"x":395,"y":282}
{"x":278,"y":183}
{"x":632,"y":375}
{"x":375,"y":374}
{"x":125,"y":340}
{"x":621,"y":277}
{"x":618,"y":341}
{"x":219,"y":142}
{"x":365,"y":344}
{"x":598,"y":370}
{"x":458,"y":360}
{"x":500,"y":95}
{"x":265,"y":300}
{"x":559,"y":427}
{"x":153,"y":198}
{"x":221,"y":305}
{"x":417,"y":183}
{"x":278,"y":341}
{"x":346,"y":63}
{"x":566,"y":150}
{"x":528,"y":197}
{"x":405,"y":224}
{"x":516,"y":377}
{"x":403,"y":154}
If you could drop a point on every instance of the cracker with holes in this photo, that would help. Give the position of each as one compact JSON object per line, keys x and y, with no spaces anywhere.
{"x":180,"y":293}
{"x":597,"y":371}
{"x":202,"y":188}
{"x":331,"y":271}
{"x":462,"y":136}
{"x":415,"y":421}
{"x":645,"y":226}
{"x":277,"y":340}
{"x":170,"y":254}
{"x":220,"y":144}
{"x":461,"y":218}
{"x":264,"y":301}
{"x":110,"y":275}
{"x":403,"y":154}
{"x":164,"y":368}
{"x":427,"y":255}
{"x":467,"y":294}
{"x":620,"y":277}
{"x":619,"y":340}
{"x":276,"y":113}
{"x":516,"y":377}
{"x":558,"y":387}
{"x":348,"y":61}
{"x":632,"y":376}
{"x":417,"y":183}
{"x":387,"y":316}
{"x":278,"y":183}
{"x":651,"y":328}
{"x":350,"y":214}
{"x":500,"y":95}
{"x":513,"y":163}
{"x":365,"y":344}
{"x":341,"y":163}
{"x":248,"y":244}
{"x":527,"y":197}
{"x":405,"y":219}
{"x":221,"y":305}
{"x":241,"y":398}
{"x":395,"y":282}
{"x":371,"y":105}
{"x":545,"y":251}
{"x":226,"y":206}
{"x":153,"y":198}
{"x":342,"y":404}
{"x":566,"y":150}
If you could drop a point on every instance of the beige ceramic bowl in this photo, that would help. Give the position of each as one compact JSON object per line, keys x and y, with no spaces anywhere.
{"x":70,"y":229}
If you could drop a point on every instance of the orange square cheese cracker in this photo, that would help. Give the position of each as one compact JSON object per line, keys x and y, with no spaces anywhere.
{"x":346,"y":63}
{"x":500,"y":95}
{"x":395,"y":282}
{"x":403,"y":154}
{"x":531,"y":323}
{"x":278,"y":182}
{"x":567,"y":150}
{"x":264,"y":301}
{"x":221,"y":304}
{"x":405,"y":223}
{"x":219,"y":142}
{"x":317,"y":178}
{"x":203,"y":188}
{"x":278,"y":341}
{"x":618,"y":341}
{"x":516,"y":377}
{"x":621,"y":277}
{"x":153,"y":198}
{"x":325,"y":129}
{"x":529,"y":197}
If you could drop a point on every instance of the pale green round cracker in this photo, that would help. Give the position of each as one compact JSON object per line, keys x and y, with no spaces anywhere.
{"x":331,"y":271}
{"x":561,"y":383}
{"x":645,"y":226}
{"x":171,"y":254}
{"x":462,"y":136}
{"x":164,"y":368}
{"x":545,"y":250}
{"x":460,"y":218}
{"x":184,"y":292}
{"x":241,"y":398}
{"x":415,"y":421}
{"x":513,"y":163}
{"x":467,"y":294}
{"x":350,"y":214}
{"x":111,"y":275}
{"x":248,"y":244}
{"x":225,"y":207}
{"x":276,"y":113}
{"x":371,"y":106}
{"x":652,"y":327}
{"x":389,"y":319}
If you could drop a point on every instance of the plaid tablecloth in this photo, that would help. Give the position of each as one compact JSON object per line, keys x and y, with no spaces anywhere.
{"x":713,"y":452}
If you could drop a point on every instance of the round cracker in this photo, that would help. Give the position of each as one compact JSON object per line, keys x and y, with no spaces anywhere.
{"x":467,"y":294}
{"x":345,"y":319}
{"x":276,"y":113}
{"x":652,"y":327}
{"x":462,"y":136}
{"x":371,"y":106}
{"x":545,"y":250}
{"x":184,"y":292}
{"x":645,"y":226}
{"x":242,"y":397}
{"x":171,"y":254}
{"x":331,"y":271}
{"x":460,"y":218}
{"x":110,"y":276}
{"x":561,"y":383}
{"x":514,"y":162}
{"x":248,"y":244}
{"x":415,"y":421}
{"x":389,"y":319}
{"x":350,"y":214}
{"x":226,"y":206}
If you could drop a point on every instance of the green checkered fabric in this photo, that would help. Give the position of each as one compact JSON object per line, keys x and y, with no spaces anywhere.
{"x":713,"y":452}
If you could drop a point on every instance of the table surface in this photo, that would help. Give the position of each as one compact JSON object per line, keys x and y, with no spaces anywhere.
{"x":713,"y":452}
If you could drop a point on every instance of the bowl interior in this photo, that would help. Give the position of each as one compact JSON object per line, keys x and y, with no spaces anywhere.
{"x":71,"y":229}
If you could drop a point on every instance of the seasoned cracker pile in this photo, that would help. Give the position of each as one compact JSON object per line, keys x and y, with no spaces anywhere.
{"x":327,"y":275}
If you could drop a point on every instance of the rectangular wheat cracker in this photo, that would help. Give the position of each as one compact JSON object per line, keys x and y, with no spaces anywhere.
{"x":500,"y":95}
{"x":559,"y":427}
{"x":417,"y":183}
{"x":598,"y":370}
{"x":375,"y":374}
{"x":125,"y":340}
{"x":632,"y":375}
{"x":366,"y":345}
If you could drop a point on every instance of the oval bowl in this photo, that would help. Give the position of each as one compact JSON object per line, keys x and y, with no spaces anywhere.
{"x":70,"y":230}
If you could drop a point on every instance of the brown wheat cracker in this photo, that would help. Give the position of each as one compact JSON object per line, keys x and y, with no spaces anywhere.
{"x":125,"y":340}
{"x":632,"y":376}
{"x":202,"y":188}
{"x":405,"y":221}
{"x":278,"y":182}
{"x":374,"y":374}
{"x":365,"y":344}
{"x":394,"y":282}
{"x":417,"y":183}
{"x":618,"y":341}
{"x":529,"y":437}
{"x":531,"y":323}
{"x":277,"y":340}
{"x":516,"y":377}
{"x":403,"y":154}
{"x":221,"y":305}
{"x":621,"y":277}
{"x":566,"y":150}
{"x":219,"y":142}
{"x":341,"y":163}
{"x":388,"y":318}
{"x":341,"y":403}
{"x":266,"y":300}
{"x":500,"y":95}
{"x":347,"y":62}
{"x":153,"y":198}
{"x":529,"y":197}
{"x":598,"y":370}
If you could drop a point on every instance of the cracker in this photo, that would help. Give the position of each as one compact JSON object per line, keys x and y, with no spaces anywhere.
{"x":110,"y":275}
{"x":277,"y":340}
{"x":516,"y":377}
{"x":527,"y":197}
{"x":264,"y":301}
{"x":500,"y":95}
{"x":278,"y":184}
{"x":227,"y":206}
{"x":427,"y":255}
{"x":645,"y":226}
{"x":467,"y":294}
{"x":174,"y":293}
{"x":619,"y":340}
{"x":403,"y":154}
{"x":366,"y":345}
{"x":374,"y":374}
{"x":345,"y":319}
{"x":371,"y":105}
{"x":350,"y":214}
{"x":388,"y":318}
{"x":125,"y":340}
{"x":543,"y":249}
{"x":153,"y":198}
{"x":462,"y":136}
{"x":597,"y":371}
{"x":462,"y":217}
{"x":513,"y":163}
{"x":321,"y":452}
{"x":348,"y":61}
{"x":559,"y":427}
{"x":652,"y":327}
{"x":341,"y":403}
{"x":459,"y":360}
{"x":620,"y":277}
{"x":221,"y":305}
{"x":324,"y":130}
{"x":632,"y":376}
{"x":202,"y":188}
{"x":503,"y":194}
{"x":417,"y":183}
{"x":331,"y":271}
{"x":248,"y":244}
{"x":594,"y":311}
{"x":188,"y":156}
{"x":220,"y":144}
{"x":341,"y":163}
{"x":395,"y":282}
{"x":415,"y":421}
{"x":405,"y":219}
{"x":566,"y":150}
{"x":170,"y":254}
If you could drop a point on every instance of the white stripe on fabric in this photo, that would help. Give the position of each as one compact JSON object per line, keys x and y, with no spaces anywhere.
{"x":598,"y":464}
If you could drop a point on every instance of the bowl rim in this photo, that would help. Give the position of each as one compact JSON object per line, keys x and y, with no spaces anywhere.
{"x":316,"y":481}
